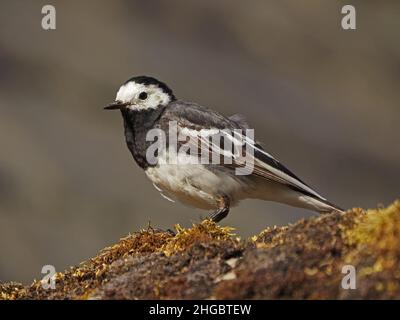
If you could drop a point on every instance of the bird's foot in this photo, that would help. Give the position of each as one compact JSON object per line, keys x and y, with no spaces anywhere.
{"x":223,"y":210}
{"x":218,"y":215}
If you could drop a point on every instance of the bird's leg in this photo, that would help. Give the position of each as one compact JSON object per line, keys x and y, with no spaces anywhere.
{"x":222,"y":212}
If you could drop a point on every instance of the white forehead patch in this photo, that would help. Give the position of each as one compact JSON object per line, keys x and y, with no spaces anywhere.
{"x":130,"y":92}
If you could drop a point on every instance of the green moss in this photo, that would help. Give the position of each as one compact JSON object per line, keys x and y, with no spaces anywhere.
{"x":376,"y":238}
{"x":204,"y":232}
{"x":379,"y":229}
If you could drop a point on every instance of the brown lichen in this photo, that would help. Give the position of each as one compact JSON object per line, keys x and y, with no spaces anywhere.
{"x":11,"y":291}
{"x":77,"y":282}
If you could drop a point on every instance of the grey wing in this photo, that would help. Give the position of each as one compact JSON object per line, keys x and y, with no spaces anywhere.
{"x":196,"y":117}
{"x":206,"y":124}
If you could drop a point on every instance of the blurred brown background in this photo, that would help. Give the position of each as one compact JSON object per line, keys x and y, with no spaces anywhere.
{"x":323,"y":100}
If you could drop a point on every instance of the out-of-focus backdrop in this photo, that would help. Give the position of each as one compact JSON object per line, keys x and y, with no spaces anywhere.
{"x":323,"y":100}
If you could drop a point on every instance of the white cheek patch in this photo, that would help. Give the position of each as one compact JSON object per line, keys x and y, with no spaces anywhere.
{"x":130,"y":93}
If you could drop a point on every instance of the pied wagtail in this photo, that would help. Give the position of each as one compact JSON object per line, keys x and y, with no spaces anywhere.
{"x":147,"y":103}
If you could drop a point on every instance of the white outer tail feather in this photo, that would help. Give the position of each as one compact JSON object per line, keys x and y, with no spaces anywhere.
{"x":317,"y":205}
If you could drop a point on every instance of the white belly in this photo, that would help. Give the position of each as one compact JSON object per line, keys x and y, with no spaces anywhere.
{"x":194,"y":185}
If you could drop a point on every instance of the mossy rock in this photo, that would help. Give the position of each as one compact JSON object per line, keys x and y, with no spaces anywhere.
{"x":299,"y":261}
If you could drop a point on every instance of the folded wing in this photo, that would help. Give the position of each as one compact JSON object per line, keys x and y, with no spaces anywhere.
{"x":207,"y":127}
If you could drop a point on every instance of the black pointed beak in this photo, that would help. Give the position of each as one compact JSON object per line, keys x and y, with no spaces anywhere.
{"x":116,"y":105}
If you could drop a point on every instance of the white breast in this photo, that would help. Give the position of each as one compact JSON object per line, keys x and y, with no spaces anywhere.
{"x":193,"y":184}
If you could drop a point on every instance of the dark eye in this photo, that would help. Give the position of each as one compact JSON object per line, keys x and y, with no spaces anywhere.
{"x":143,"y":96}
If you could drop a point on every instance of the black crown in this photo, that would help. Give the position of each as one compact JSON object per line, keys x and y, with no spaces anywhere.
{"x":152,"y":81}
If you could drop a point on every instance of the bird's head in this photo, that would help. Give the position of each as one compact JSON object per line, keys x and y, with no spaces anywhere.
{"x":142,"y":93}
